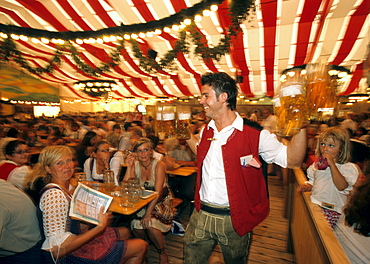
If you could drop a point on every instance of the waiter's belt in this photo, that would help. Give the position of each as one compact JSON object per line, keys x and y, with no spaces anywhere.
{"x":215,"y":209}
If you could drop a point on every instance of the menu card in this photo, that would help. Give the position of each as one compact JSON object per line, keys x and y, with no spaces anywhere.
{"x":86,"y":203}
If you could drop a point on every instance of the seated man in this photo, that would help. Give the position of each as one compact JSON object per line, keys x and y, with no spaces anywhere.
{"x":76,"y":134}
{"x":19,"y":228}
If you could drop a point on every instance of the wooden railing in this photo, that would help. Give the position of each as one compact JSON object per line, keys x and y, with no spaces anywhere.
{"x":310,"y":236}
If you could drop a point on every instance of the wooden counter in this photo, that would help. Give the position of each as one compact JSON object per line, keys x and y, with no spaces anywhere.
{"x":312,"y":237}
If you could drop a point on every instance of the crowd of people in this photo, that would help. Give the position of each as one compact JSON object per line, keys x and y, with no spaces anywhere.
{"x":66,"y":145}
{"x":231,"y":153}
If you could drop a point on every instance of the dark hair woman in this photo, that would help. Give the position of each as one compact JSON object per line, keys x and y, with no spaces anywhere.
{"x":55,"y":137}
{"x":102,"y":159}
{"x":14,"y":169}
{"x":85,"y":148}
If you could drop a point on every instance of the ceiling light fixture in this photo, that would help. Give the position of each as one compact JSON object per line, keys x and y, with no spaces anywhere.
{"x":101,"y":89}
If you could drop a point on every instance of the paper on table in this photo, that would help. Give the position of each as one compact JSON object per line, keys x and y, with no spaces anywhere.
{"x":86,"y":203}
{"x":147,"y":194}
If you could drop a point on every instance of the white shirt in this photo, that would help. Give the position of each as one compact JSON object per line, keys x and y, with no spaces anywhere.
{"x":323,"y":188}
{"x":270,"y":123}
{"x":18,"y":175}
{"x":213,"y":187}
{"x":55,"y":207}
{"x":355,"y":245}
{"x":79,"y":134}
{"x":115,"y":165}
{"x":124,"y":143}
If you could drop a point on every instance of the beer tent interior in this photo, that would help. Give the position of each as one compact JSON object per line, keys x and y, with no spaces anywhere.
{"x":156,"y":49}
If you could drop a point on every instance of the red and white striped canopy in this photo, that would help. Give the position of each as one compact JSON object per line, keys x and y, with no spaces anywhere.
{"x":281,"y":34}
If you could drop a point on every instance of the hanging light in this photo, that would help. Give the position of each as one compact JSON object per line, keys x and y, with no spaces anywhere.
{"x":101,"y":89}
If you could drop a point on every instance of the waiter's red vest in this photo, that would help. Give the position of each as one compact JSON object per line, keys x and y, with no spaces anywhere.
{"x":246,"y":187}
{"x":5,"y":169}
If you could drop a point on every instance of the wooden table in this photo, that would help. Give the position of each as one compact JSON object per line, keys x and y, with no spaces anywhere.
{"x":35,"y":150}
{"x":115,"y":207}
{"x":183,"y":171}
{"x":72,"y":144}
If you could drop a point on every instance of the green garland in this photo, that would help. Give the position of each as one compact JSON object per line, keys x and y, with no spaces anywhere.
{"x":238,"y":12}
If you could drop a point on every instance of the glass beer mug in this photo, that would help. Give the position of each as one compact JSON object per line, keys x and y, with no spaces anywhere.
{"x":183,"y":123}
{"x":292,"y":113}
{"x":126,"y":195}
{"x":165,"y":121}
{"x":108,"y":179}
{"x":321,"y":94}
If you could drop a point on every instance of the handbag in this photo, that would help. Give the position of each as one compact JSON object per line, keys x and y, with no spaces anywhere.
{"x":164,"y":210}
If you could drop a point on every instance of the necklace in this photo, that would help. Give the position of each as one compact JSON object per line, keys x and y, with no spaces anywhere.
{"x":147,"y":166}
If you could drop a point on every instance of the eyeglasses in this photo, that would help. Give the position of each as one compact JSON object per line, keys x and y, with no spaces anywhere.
{"x":20,"y":152}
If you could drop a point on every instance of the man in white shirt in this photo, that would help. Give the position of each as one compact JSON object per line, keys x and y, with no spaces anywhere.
{"x":253,"y":116}
{"x":231,"y":196}
{"x":76,"y":133}
{"x":270,"y":121}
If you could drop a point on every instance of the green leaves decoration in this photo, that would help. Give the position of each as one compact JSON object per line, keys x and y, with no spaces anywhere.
{"x":188,"y":37}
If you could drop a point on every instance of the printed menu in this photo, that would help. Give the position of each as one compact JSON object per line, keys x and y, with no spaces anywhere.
{"x":86,"y":203}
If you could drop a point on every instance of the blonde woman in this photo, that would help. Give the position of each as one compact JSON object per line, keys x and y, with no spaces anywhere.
{"x":63,"y":240}
{"x":152,"y":175}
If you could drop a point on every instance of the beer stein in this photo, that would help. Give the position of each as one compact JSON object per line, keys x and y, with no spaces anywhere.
{"x":135,"y":189}
{"x":321,"y":95}
{"x":80,"y":176}
{"x":183,"y":124}
{"x":292,"y":114}
{"x":108,"y":179}
{"x":126,"y":195}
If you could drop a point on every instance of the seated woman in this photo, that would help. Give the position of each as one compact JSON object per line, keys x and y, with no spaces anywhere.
{"x":63,"y":240}
{"x":161,"y":153}
{"x":353,"y":228}
{"x":14,"y":169}
{"x":84,"y":149}
{"x":152,"y":175}
{"x":102,"y":159}
{"x":33,"y":140}
{"x":55,"y":137}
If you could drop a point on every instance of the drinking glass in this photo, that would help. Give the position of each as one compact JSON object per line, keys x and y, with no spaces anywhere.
{"x":134,"y":185}
{"x":126,"y":195}
{"x":80,"y":176}
{"x":108,"y":178}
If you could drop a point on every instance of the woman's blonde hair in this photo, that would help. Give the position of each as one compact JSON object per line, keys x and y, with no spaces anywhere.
{"x":338,"y":135}
{"x":48,"y":156}
{"x":142,"y":141}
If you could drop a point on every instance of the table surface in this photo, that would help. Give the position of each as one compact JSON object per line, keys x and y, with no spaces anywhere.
{"x":35,"y":150}
{"x":115,"y":205}
{"x":183,"y":171}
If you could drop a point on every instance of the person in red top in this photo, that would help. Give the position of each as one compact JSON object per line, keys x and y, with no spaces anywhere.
{"x":14,"y":169}
{"x":231,"y":197}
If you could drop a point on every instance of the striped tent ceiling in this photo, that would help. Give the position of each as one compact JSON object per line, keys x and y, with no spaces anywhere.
{"x":280,"y":34}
